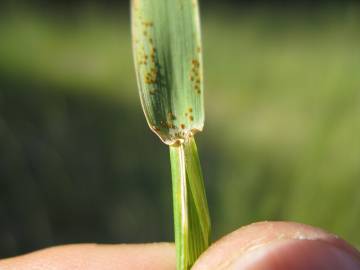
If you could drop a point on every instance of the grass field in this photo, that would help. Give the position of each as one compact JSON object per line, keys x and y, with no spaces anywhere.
{"x":281,"y":139}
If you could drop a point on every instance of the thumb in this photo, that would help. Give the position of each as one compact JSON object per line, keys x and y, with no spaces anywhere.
{"x":279,"y":246}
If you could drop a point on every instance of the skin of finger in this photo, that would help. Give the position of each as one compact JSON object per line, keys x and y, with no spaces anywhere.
{"x":297,"y":255}
{"x":224,"y":252}
{"x":157,"y":256}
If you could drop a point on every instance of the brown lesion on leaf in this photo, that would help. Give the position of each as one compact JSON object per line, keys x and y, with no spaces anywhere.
{"x":189,"y":114}
{"x":195,"y":63}
{"x":153,"y":54}
{"x":151,"y":77}
{"x":195,"y":76}
{"x":147,"y":54}
{"x":142,"y":57}
{"x":146,"y":27}
{"x":168,"y":123}
{"x":155,"y":128}
{"x":147,"y":24}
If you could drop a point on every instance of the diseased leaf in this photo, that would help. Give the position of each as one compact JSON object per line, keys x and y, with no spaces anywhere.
{"x":168,"y":62}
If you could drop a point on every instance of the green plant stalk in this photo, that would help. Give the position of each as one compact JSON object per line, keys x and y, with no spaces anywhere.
{"x":191,"y":214}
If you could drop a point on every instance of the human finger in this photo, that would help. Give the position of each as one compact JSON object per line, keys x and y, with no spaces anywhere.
{"x":280,"y":246}
{"x":157,"y":256}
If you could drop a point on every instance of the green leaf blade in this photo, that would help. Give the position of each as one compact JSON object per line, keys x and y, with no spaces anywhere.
{"x":168,"y":62}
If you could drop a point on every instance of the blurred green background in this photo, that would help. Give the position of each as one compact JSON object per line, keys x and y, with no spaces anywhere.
{"x":79,"y":164}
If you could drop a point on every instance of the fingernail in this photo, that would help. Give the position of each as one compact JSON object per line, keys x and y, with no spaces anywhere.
{"x":297,"y":255}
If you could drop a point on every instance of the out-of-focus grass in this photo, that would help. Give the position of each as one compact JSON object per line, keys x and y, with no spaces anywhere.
{"x":285,"y":93}
{"x":85,"y":52}
{"x":282,"y":101}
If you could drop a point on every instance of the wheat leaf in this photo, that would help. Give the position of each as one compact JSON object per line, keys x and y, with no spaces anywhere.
{"x":168,"y":61}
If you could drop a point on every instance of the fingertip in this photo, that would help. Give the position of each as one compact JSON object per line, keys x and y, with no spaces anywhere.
{"x":296,"y":255}
{"x":266,"y":242}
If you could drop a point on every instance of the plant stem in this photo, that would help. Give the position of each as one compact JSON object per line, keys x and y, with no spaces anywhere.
{"x":191,"y":214}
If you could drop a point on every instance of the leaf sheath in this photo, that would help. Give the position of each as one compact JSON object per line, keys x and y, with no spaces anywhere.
{"x":191,"y":214}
